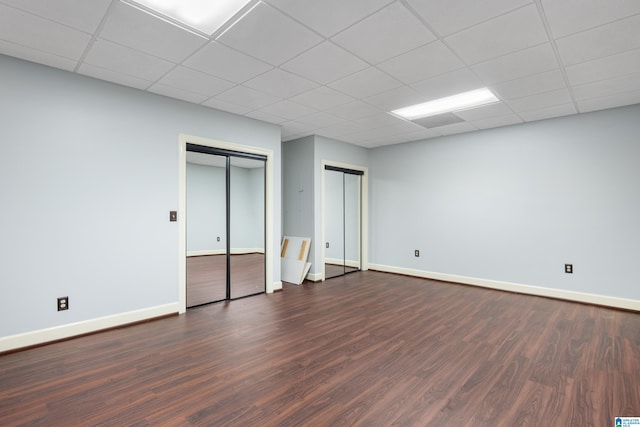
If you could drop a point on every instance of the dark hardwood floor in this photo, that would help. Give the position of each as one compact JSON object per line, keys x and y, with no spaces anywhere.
{"x":367,"y":349}
{"x":207,"y":280}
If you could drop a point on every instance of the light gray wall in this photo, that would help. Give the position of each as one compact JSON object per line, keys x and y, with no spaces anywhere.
{"x":515,"y":204}
{"x":297,"y":187}
{"x":88,"y":175}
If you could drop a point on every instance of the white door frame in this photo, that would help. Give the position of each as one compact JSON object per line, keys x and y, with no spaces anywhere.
{"x":364,"y":211}
{"x":182,"y":208}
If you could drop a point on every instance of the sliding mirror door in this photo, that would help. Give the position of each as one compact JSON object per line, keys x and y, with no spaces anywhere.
{"x":351,"y":189}
{"x":247,"y":258}
{"x":342,"y":216}
{"x":206,"y":229}
{"x":333,"y":224}
{"x":225,"y":217}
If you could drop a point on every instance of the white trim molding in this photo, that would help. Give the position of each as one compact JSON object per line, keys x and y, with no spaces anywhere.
{"x":364,"y":213}
{"x":183,"y":139}
{"x":42,"y":336}
{"x":315,"y":277}
{"x":602,"y":300}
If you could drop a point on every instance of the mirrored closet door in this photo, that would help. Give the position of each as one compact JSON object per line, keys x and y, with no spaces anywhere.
{"x":342,"y":216}
{"x":225,"y":225}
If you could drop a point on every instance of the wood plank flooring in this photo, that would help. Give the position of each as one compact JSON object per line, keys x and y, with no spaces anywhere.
{"x":367,"y":349}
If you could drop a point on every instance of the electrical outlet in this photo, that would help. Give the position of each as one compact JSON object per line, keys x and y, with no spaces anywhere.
{"x":218,"y":238}
{"x":326,"y":245}
{"x":417,"y":253}
{"x":63,"y":303}
{"x":568,"y":268}
{"x":173,"y":216}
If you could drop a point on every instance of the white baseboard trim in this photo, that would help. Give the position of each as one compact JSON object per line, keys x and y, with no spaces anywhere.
{"x":348,"y":262}
{"x":314,"y":277}
{"x":42,"y":336}
{"x":234,"y":251}
{"x":603,"y":300}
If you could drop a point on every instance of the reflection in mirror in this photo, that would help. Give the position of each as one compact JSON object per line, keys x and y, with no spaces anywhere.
{"x":351,"y":222}
{"x":333,"y":224}
{"x":206,"y":228}
{"x":247,"y":227}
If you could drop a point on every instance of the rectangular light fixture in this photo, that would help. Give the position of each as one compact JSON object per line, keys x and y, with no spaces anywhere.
{"x":461,"y":101}
{"x":205,"y":16}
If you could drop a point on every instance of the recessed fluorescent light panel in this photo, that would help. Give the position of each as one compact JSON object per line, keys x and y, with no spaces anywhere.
{"x":205,"y":16}
{"x":461,"y":101}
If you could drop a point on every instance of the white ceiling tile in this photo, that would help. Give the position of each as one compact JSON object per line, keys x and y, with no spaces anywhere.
{"x":604,"y":68}
{"x":494,"y":122}
{"x":322,"y":98}
{"x":266,"y":117}
{"x":516,"y":65}
{"x":609,"y":101}
{"x":367,"y":82}
{"x":176,"y":93}
{"x":329,"y":16}
{"x":455,"y":128}
{"x":540,"y":100}
{"x":280,"y":83}
{"x":387,"y":33}
{"x":484,"y":112}
{"x":289,"y":110}
{"x":129,"y":26}
{"x":384,"y":132}
{"x":530,"y":85}
{"x":120,"y":59}
{"x":112,"y":76}
{"x":448,"y":84}
{"x":294,"y":128}
{"x":422,"y":63}
{"x":269,"y":35}
{"x":247,"y":97}
{"x":194,"y":81}
{"x":221,"y":61}
{"x":35,"y":55}
{"x":230,"y":107}
{"x":548,"y":112}
{"x":325,"y":63}
{"x":599,"y":42}
{"x":380,"y":120}
{"x":342,"y":129}
{"x":353,"y":110}
{"x":628,"y":83}
{"x":446,"y":16}
{"x":82,"y":15}
{"x":28,"y":30}
{"x":396,"y":98}
{"x":517,"y":30}
{"x":319,"y":120}
{"x":571,"y":16}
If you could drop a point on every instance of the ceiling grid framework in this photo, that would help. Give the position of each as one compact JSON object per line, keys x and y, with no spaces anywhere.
{"x":336,"y":68}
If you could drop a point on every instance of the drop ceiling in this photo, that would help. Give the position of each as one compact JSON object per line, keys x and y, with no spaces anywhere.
{"x":336,"y":68}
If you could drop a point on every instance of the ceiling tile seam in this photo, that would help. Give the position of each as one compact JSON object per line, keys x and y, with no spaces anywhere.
{"x":526,"y":110}
{"x":151,"y":83}
{"x":95,"y":35}
{"x":13,"y":42}
{"x":556,"y":52}
{"x":236,"y":21}
{"x":410,"y":8}
{"x":231,"y":22}
{"x":637,"y":73}
{"x":45,"y":18}
{"x":489,"y":19}
{"x":604,"y":24}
